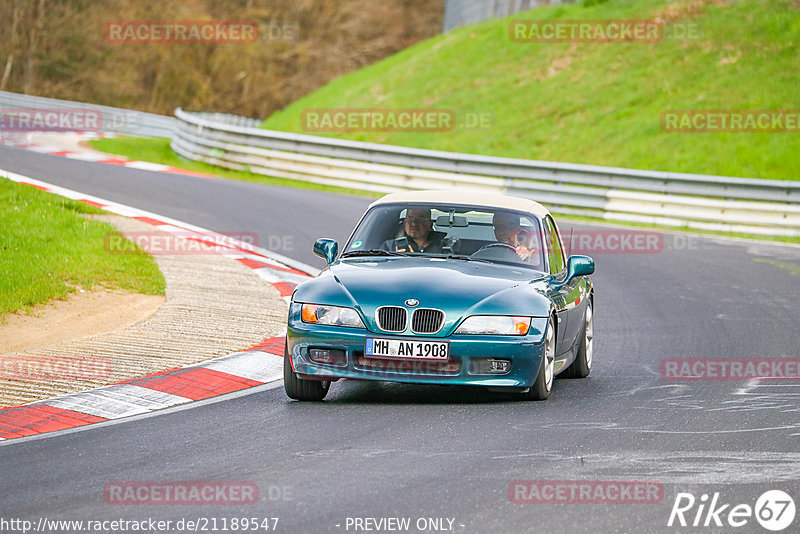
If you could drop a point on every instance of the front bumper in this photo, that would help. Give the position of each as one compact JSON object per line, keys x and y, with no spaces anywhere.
{"x":466,"y":353}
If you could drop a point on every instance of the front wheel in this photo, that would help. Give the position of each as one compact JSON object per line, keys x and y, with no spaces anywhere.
{"x":299,"y":389}
{"x":544,"y":378}
{"x":582,"y":365}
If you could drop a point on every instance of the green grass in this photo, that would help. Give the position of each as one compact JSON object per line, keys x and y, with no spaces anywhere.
{"x":594,"y":103}
{"x":48,"y":250}
{"x":157,"y":150}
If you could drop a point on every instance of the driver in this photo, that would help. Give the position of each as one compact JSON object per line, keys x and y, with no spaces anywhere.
{"x":418,"y":234}
{"x":507,"y":229}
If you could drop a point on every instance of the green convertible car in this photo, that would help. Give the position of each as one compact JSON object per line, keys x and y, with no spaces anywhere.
{"x":444,"y":287}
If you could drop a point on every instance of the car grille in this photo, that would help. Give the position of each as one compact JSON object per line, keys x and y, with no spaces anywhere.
{"x":427,"y":321}
{"x":392,"y":318}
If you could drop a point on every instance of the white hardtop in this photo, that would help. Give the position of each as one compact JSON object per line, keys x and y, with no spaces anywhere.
{"x":468,"y":198}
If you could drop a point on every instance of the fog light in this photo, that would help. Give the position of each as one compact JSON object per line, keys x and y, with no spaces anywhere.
{"x":328,"y":356}
{"x":489,"y":366}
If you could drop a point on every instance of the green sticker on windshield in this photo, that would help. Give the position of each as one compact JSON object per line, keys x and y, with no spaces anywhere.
{"x":356,"y":244}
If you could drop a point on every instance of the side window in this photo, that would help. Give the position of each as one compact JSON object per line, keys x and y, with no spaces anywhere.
{"x":555,"y":254}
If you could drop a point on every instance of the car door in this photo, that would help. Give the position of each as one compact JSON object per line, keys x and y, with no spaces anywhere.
{"x":566,"y":297}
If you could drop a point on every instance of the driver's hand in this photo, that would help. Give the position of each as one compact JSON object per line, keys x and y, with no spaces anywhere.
{"x":523,"y":252}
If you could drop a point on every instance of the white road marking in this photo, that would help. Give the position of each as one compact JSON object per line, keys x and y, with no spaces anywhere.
{"x":253,"y":365}
{"x":116,"y":401}
{"x":147,"y":166}
{"x":89,"y":156}
{"x":141,"y":396}
{"x":273,"y":276}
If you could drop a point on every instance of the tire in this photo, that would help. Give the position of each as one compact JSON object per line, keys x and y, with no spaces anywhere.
{"x":543,"y":384}
{"x":582,"y":365}
{"x":299,"y":389}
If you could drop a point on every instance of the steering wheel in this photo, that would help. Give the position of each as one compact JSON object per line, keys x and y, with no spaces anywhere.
{"x":493,"y":245}
{"x":496,"y":251}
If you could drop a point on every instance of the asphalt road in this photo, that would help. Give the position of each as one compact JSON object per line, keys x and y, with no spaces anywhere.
{"x":377,"y":450}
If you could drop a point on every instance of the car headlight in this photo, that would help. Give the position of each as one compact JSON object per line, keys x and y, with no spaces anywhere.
{"x":331,"y":315}
{"x":501,"y":325}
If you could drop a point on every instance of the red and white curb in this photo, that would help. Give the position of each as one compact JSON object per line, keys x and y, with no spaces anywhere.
{"x":157,"y":391}
{"x":147,"y":394}
{"x":26,"y":141}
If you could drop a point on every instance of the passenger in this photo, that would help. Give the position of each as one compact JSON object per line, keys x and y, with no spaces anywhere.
{"x":418,"y":234}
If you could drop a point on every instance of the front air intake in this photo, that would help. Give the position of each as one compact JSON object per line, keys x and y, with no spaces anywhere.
{"x":427,"y":321}
{"x":392,"y":318}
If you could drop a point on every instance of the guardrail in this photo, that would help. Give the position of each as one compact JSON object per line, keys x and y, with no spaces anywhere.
{"x":459,"y":13}
{"x":115,"y":120}
{"x":765,"y":207}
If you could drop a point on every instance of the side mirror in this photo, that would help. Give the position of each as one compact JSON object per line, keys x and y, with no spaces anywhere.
{"x":579,"y":266}
{"x":327,"y":249}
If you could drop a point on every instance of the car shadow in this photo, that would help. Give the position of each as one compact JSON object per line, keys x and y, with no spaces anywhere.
{"x":372,"y":392}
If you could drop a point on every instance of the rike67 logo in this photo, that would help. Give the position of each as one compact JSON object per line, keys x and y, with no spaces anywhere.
{"x":774,"y":510}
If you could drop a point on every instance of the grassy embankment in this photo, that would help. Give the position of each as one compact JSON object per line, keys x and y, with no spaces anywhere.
{"x":48,"y":250}
{"x":594,"y":103}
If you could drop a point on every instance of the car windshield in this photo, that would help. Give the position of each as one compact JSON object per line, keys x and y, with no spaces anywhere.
{"x":460,"y":232}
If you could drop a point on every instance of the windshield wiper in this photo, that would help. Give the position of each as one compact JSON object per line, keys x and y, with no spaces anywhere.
{"x":487,"y":260}
{"x":467,"y":258}
{"x":371,"y":252}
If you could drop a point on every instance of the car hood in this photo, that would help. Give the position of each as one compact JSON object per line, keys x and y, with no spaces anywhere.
{"x":459,"y":288}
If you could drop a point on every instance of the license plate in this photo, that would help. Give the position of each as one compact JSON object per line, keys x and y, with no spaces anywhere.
{"x":407,"y":348}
